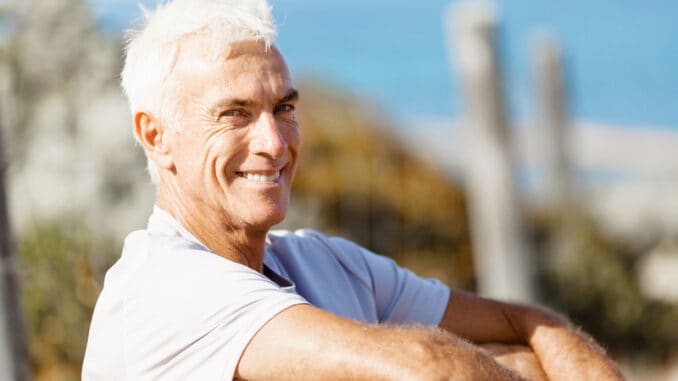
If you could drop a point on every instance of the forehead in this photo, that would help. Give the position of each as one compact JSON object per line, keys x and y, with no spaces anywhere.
{"x":245,"y":69}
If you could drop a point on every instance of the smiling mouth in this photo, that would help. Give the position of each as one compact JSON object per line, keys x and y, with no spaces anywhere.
{"x":258,"y":177}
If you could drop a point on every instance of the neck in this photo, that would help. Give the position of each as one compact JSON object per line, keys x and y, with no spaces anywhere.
{"x":219,"y":233}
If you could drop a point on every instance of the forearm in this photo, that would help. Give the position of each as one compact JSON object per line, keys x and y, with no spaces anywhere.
{"x":305,"y":343}
{"x":425,"y":354}
{"x":480,"y":320}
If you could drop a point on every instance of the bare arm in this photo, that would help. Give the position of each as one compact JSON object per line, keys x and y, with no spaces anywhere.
{"x":303,"y":342}
{"x":564,"y":352}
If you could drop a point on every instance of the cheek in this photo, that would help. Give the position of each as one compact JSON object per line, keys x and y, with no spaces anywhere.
{"x":292,"y":136}
{"x":190,"y":155}
{"x":226,"y":154}
{"x":293,"y":139}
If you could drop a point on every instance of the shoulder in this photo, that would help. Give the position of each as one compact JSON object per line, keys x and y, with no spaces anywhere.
{"x":182,"y":305}
{"x":313,"y":245}
{"x":185,"y":268}
{"x":310,"y":239}
{"x":309,"y":251}
{"x":159,"y":272}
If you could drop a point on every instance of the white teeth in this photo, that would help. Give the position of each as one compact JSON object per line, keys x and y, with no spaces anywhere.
{"x":261,"y":178}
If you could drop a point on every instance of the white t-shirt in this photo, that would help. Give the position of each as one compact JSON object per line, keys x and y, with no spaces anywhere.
{"x":171,"y":309}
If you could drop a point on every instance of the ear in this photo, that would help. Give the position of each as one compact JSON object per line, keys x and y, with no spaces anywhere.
{"x":153,"y":137}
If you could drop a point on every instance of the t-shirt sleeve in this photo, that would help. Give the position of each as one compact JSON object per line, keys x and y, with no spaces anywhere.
{"x":400,"y":296}
{"x":204,"y":311}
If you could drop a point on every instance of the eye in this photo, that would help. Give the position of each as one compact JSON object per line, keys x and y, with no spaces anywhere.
{"x":237,"y":113}
{"x":285,"y":107}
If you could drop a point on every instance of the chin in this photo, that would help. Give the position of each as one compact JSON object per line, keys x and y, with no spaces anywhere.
{"x":266,"y":220}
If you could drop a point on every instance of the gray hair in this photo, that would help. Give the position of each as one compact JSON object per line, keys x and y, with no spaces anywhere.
{"x":152,"y":50}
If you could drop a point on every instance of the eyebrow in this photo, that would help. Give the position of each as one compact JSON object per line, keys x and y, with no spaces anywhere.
{"x":234,"y":103}
{"x":291,"y":95}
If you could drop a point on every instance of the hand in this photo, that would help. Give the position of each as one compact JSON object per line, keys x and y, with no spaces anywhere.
{"x":564,"y":352}
{"x":567,"y":353}
{"x":518,"y":358}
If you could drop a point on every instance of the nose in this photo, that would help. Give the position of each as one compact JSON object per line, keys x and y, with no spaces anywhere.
{"x":267,"y":138}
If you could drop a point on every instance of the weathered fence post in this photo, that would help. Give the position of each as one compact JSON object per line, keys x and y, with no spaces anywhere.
{"x":503,"y":264}
{"x":559,"y":187}
{"x":553,"y":124}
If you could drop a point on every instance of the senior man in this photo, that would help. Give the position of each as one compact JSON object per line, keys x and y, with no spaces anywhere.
{"x":207,"y":292}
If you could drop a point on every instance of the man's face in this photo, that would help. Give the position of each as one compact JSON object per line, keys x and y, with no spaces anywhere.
{"x":235,"y":151}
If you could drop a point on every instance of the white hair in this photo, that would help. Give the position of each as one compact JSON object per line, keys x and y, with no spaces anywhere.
{"x":152,"y":50}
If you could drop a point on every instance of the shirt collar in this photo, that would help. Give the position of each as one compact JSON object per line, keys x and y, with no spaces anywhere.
{"x":162,"y":223}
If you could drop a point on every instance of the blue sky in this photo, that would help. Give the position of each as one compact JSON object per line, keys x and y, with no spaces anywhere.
{"x":622,"y":55}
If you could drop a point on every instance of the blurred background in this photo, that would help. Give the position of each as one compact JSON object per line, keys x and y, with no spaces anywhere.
{"x":524,"y":150}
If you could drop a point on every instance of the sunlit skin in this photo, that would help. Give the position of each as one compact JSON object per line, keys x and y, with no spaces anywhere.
{"x":226,"y":172}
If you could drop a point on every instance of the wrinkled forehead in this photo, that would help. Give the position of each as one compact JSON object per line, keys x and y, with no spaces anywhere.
{"x":200,"y":65}
{"x":244,"y":70}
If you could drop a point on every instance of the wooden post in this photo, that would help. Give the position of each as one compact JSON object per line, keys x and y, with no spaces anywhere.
{"x":553,"y":125}
{"x":559,"y":187}
{"x":13,"y":354}
{"x":502,"y":262}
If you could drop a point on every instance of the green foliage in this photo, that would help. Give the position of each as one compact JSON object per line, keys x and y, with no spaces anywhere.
{"x":59,"y":288}
{"x":592,"y":278}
